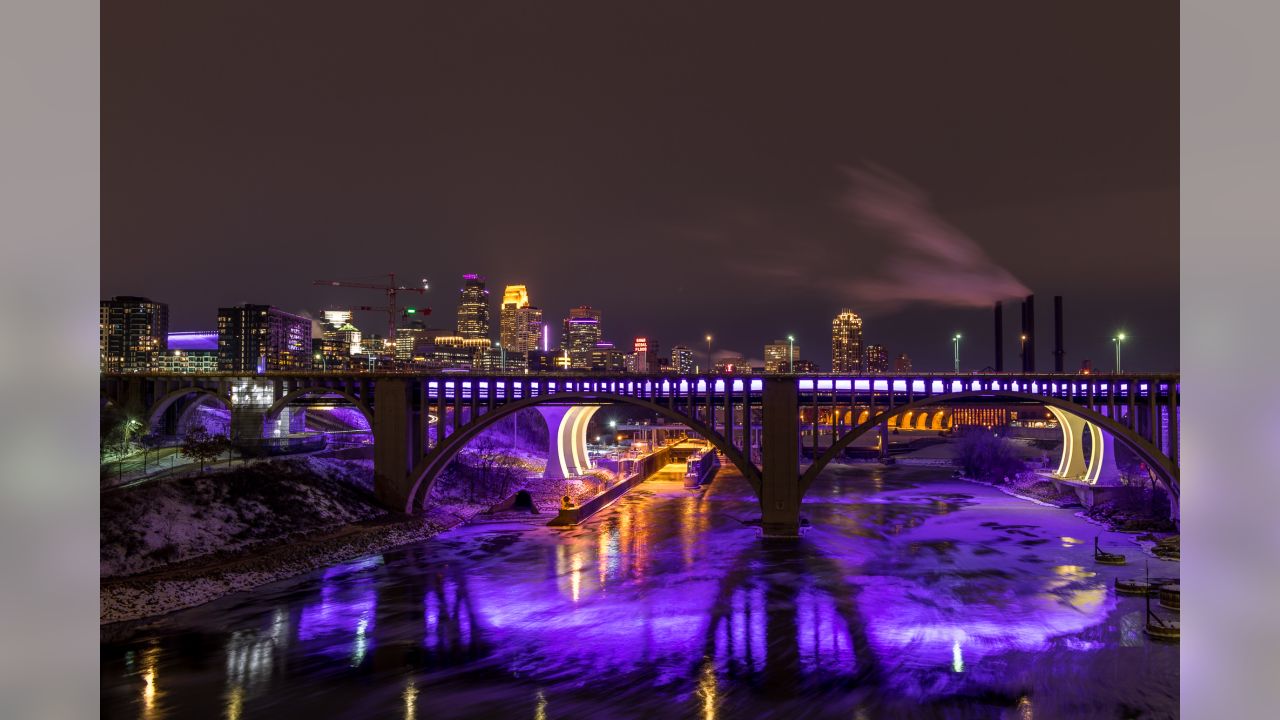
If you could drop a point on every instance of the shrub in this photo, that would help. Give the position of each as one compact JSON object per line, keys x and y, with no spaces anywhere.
{"x":985,"y":456}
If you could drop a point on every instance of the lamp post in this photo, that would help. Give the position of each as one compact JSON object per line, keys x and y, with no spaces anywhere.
{"x":1118,"y":340}
{"x":709,"y":366}
{"x":955,"y":342}
{"x":791,"y":355}
{"x":324,"y":361}
{"x":1023,"y":352}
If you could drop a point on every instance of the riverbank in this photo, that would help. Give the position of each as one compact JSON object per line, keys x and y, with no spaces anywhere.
{"x":180,"y":543}
{"x":149,"y":595}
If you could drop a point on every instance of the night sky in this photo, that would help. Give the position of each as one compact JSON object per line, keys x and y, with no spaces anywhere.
{"x":686,"y":167}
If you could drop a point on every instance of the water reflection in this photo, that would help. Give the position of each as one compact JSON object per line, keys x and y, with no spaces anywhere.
{"x":150,"y":661}
{"x":895,"y":605}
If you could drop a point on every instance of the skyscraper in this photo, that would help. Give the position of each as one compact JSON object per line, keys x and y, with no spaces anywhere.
{"x":581,"y":333}
{"x":132,"y":331}
{"x":514,"y":297}
{"x":519,"y":323}
{"x":846,"y":342}
{"x":260,"y":338}
{"x":780,"y":356}
{"x":473,"y":308}
{"x":877,"y":359}
{"x":902,"y":363}
{"x":682,"y":359}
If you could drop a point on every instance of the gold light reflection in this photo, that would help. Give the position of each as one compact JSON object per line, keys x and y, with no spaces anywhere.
{"x":602,"y":553}
{"x":575,"y":577}
{"x":540,"y":710}
{"x":688,"y":530}
{"x":1083,"y":599}
{"x":235,"y":702}
{"x":150,"y":661}
{"x":957,"y":658}
{"x":410,"y":700}
{"x":1070,"y":541}
{"x":1024,"y":708}
{"x":707,"y":689}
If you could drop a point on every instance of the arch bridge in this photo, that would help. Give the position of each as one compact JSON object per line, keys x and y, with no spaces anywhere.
{"x":421,"y":421}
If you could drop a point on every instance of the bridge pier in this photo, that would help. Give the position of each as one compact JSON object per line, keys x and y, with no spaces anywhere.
{"x":780,"y":446}
{"x":393,"y":442}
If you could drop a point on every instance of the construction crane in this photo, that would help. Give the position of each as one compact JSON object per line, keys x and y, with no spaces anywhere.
{"x":391,"y":289}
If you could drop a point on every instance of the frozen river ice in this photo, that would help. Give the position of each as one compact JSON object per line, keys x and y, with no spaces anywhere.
{"x":913,"y":595}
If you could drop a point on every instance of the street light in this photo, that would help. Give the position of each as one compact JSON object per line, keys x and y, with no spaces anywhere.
{"x":324,"y":361}
{"x":791,"y":355}
{"x":955,"y":341}
{"x":1118,"y":340}
{"x":709,"y":367}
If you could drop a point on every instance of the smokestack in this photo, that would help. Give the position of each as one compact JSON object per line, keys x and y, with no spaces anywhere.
{"x":1029,"y":329}
{"x":1059,"y":355}
{"x":1022,"y":339}
{"x":999,"y":337}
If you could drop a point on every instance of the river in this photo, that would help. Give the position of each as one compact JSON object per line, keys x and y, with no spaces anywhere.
{"x":912,"y":596}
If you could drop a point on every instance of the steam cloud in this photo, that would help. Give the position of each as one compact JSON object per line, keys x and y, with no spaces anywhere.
{"x":928,"y":260}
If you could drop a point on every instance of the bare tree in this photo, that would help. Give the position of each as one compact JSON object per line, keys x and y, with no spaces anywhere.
{"x":200,"y":444}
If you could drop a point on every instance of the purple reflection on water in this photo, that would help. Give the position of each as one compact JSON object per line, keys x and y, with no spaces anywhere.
{"x":343,"y":617}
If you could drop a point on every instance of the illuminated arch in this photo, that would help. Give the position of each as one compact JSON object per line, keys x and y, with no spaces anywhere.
{"x":428,"y":469}
{"x":1164,"y":468}
{"x":905,"y":422}
{"x":566,"y":439}
{"x":863,"y":416}
{"x":159,"y":407}
{"x":937,"y":420}
{"x":274,"y":411}
{"x":923,"y":422}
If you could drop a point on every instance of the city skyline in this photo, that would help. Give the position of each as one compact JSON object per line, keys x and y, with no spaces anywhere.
{"x":848,"y":351}
{"x":915,"y":176}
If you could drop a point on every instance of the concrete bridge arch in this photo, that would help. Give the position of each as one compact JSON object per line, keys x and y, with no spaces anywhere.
{"x":1074,"y":417}
{"x":411,"y":491}
{"x":283,"y":401}
{"x":161,"y":405}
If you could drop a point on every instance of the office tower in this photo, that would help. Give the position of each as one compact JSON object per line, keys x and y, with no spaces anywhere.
{"x":902,"y":363}
{"x":682,"y":359}
{"x":780,"y":356}
{"x":520,"y":324}
{"x":846,"y":342}
{"x":473,"y":308}
{"x":581,"y":333}
{"x":877,"y":359}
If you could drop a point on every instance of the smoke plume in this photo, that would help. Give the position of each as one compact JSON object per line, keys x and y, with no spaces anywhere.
{"x":926,"y":259}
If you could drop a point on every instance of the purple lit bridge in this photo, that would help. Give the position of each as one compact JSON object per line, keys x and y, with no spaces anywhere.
{"x":759,"y":423}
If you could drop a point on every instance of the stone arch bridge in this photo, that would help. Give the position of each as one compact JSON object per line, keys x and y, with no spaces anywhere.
{"x":421,"y":421}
